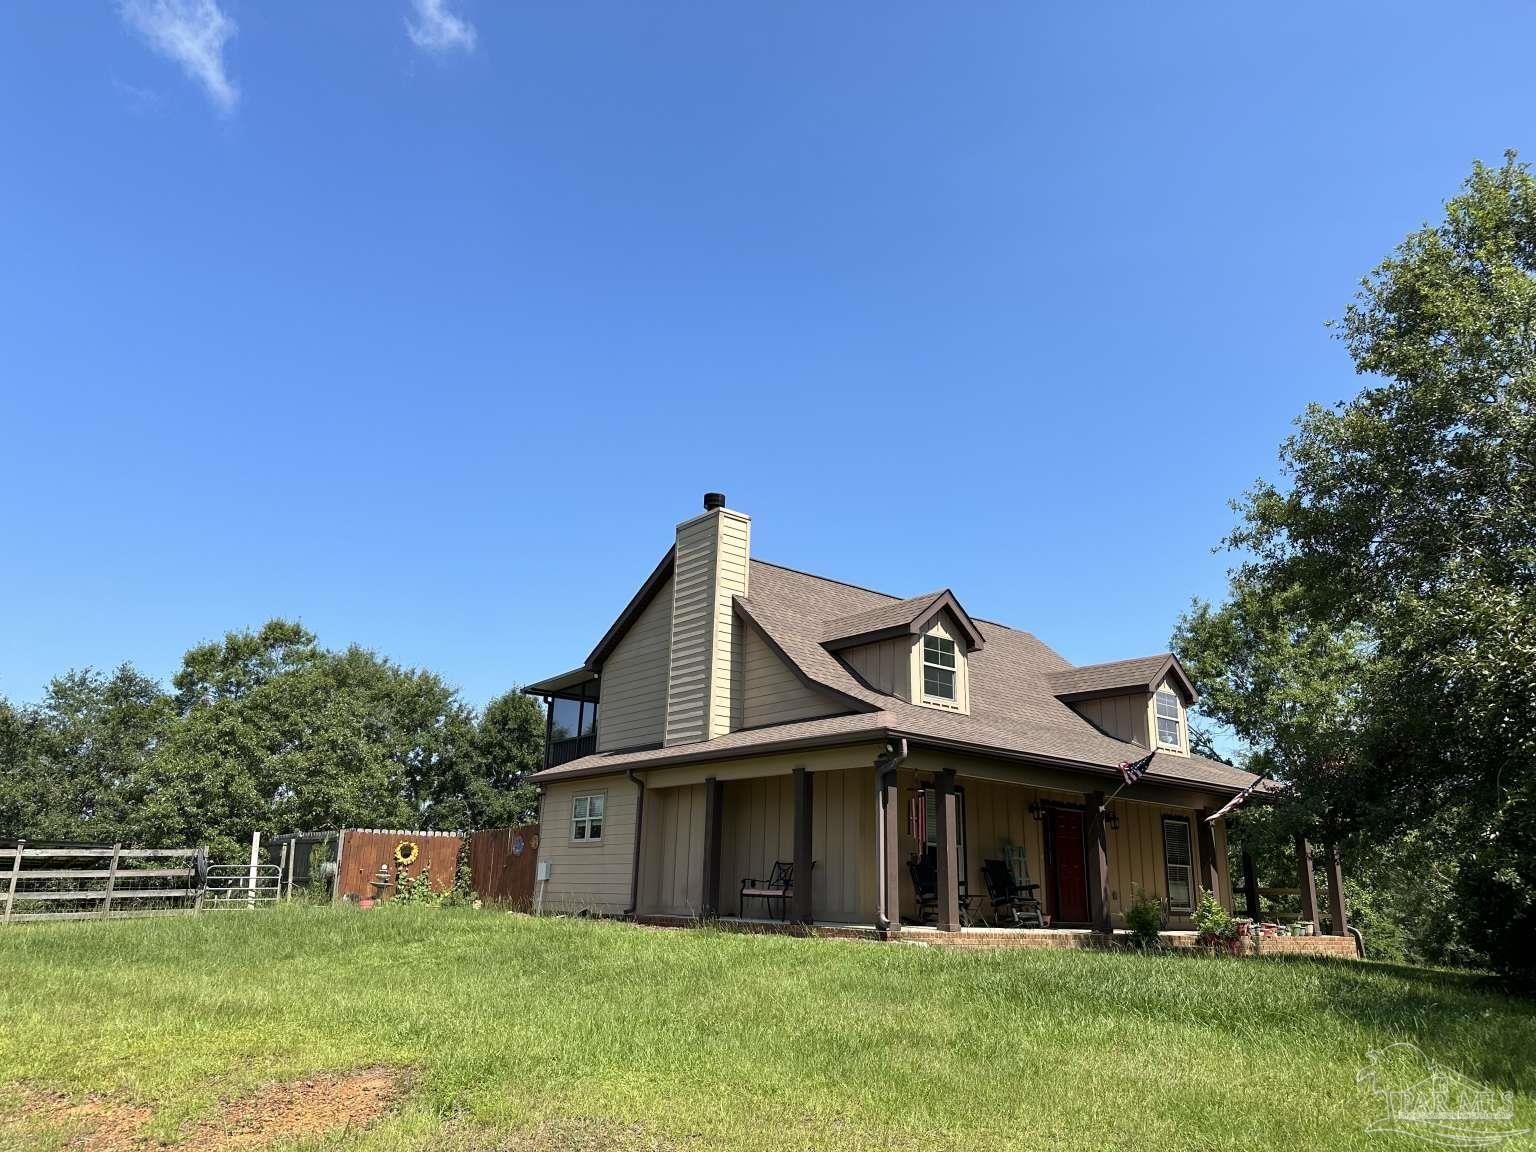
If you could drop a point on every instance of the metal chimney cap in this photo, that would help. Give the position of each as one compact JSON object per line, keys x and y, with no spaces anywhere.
{"x":713,"y":500}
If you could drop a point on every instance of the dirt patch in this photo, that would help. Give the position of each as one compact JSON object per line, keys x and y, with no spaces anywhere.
{"x":312,"y":1106}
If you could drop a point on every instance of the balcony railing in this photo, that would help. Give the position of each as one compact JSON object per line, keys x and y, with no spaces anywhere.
{"x":572,"y":748}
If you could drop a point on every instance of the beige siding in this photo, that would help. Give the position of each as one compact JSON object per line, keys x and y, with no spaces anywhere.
{"x":593,"y":876}
{"x":1182,"y":748}
{"x":693,"y":600}
{"x":672,"y":851}
{"x":711,"y":568}
{"x":771,"y":693}
{"x":946,"y":626}
{"x":730,"y":581}
{"x":634,"y":680}
{"x":1123,"y":717}
{"x":885,"y":666}
{"x":757,"y":829}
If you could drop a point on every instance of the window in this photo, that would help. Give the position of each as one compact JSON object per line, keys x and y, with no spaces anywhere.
{"x":938,"y":668}
{"x":587,"y":818}
{"x":1178,"y":864}
{"x":1168,"y":720}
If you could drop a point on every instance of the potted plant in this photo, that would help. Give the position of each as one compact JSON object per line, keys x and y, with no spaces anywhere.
{"x":1214,"y":924}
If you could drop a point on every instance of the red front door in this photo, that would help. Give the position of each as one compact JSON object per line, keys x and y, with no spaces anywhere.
{"x":1069,"y":882}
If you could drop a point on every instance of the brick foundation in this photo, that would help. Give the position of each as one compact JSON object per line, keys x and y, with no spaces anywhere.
{"x":1342,"y":947}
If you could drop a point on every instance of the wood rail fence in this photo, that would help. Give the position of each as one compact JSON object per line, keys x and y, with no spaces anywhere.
{"x":54,"y":883}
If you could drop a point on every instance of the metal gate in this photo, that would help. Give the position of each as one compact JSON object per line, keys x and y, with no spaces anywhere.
{"x":242,"y":885}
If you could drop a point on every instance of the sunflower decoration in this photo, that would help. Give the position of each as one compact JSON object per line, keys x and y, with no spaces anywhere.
{"x":406,"y":852}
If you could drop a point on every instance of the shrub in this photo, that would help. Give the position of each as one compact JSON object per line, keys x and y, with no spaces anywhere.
{"x":1144,"y":918}
{"x":1212,"y":921}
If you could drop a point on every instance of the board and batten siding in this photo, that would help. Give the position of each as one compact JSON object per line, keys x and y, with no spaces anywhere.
{"x":1151,"y":711}
{"x":633,"y":708}
{"x":769,"y":693}
{"x":672,"y":852}
{"x":886,"y":666}
{"x":594,"y":875}
{"x":1123,"y":717}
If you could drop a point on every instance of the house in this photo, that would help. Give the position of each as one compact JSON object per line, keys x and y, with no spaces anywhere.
{"x":739,"y":714}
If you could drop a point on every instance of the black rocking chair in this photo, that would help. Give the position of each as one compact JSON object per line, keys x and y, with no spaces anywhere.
{"x":924,"y":871}
{"x":1013,"y":904}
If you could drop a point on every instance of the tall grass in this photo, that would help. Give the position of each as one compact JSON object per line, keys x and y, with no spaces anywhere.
{"x":510,"y":1025}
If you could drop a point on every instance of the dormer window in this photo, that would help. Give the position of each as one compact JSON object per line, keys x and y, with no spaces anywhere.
{"x":939,"y":668}
{"x":1170,"y":720}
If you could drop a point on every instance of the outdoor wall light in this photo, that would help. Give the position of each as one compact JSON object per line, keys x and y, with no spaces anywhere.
{"x":1036,"y":811}
{"x":1111,"y":818}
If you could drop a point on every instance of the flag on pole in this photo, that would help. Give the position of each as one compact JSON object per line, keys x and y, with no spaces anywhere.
{"x":1236,"y":800}
{"x":1131,"y":773}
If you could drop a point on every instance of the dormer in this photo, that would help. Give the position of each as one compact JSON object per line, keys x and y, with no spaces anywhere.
{"x":1144,"y":701}
{"x":917,"y":650}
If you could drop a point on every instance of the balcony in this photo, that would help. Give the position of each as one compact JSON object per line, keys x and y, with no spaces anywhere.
{"x":571,"y":748}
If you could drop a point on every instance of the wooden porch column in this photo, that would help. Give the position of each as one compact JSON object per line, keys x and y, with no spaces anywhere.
{"x":1098,"y":865}
{"x":1336,"y":903}
{"x":1250,"y":886}
{"x":800,"y":903}
{"x":714,"y":809}
{"x":890,"y":867}
{"x":948,"y":911}
{"x":1210,"y":869}
{"x":1306,"y":881}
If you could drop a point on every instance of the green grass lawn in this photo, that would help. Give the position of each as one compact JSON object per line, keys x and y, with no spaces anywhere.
{"x":521,"y":1033}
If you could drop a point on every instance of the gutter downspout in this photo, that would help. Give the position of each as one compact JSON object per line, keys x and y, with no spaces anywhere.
{"x":634,"y":867}
{"x":888,"y":761}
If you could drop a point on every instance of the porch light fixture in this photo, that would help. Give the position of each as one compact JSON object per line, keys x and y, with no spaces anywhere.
{"x":1036,"y":810}
{"x":1111,"y":818}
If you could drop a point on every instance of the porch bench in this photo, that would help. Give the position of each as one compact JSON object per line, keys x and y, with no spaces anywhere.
{"x":779,"y":886}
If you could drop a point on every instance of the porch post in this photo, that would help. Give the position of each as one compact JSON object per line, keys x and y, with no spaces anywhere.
{"x":1250,"y":886}
{"x":1098,"y":865}
{"x":801,"y":898}
{"x":1306,"y":881}
{"x":1210,"y":870}
{"x":948,"y":910}
{"x":1336,"y":903}
{"x":889,"y":816}
{"x":714,"y":797}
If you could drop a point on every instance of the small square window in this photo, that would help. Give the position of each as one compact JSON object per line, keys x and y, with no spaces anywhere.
{"x":587,"y":817}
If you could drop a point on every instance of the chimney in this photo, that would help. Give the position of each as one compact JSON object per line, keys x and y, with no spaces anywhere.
{"x":711,"y":566}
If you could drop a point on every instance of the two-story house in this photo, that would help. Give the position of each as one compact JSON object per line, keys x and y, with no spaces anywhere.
{"x":740,"y":715}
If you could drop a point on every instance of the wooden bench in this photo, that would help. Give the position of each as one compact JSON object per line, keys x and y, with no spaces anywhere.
{"x":779,"y":886}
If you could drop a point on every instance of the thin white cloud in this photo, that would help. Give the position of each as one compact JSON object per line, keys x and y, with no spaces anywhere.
{"x":192,"y":33}
{"x":436,"y":29}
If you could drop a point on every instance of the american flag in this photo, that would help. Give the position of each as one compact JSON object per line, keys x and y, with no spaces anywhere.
{"x":1131,"y":773}
{"x":1236,"y":800}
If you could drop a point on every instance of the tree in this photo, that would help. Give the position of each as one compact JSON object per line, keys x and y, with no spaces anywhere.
{"x":1380,"y":639}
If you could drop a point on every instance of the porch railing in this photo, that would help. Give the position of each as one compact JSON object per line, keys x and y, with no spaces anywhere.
{"x":572,"y":748}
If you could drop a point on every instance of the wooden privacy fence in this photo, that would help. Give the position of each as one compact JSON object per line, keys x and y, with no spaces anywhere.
{"x":83,"y":882}
{"x":363,"y":850}
{"x":501,"y":861}
{"x":501,"y":864}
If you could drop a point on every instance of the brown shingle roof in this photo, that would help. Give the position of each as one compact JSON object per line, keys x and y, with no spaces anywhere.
{"x":1015,"y":709}
{"x":1141,"y":674}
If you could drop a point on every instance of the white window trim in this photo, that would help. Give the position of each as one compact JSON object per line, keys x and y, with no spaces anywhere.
{"x":1177,"y":744}
{"x":585,"y":821}
{"x":953,"y":699}
{"x":1189,"y":869}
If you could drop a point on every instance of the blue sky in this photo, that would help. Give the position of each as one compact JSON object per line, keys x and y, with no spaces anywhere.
{"x":425,"y":323}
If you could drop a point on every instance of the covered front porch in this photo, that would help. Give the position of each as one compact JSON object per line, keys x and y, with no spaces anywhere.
{"x":926,"y":848}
